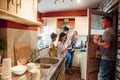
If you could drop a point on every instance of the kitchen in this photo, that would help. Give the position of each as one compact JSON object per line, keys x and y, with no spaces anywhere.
{"x":16,"y":28}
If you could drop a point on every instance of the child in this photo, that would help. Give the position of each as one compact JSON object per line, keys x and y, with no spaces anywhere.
{"x":52,"y":49}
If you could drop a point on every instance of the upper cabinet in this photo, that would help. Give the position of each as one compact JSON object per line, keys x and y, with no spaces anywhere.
{"x":81,"y":25}
{"x":3,"y":4}
{"x":21,"y":11}
{"x":27,"y":9}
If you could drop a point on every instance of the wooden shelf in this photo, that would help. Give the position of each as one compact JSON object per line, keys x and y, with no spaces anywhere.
{"x":15,"y":18}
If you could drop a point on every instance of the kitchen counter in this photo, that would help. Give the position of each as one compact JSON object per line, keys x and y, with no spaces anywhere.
{"x":52,"y":73}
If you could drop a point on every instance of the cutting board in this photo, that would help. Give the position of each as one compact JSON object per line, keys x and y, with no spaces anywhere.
{"x":23,"y":53}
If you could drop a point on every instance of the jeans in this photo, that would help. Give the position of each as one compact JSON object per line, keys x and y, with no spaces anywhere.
{"x":69,"y":58}
{"x":107,"y":70}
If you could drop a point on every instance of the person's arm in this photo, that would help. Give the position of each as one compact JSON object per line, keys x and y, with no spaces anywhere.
{"x":65,"y":49}
{"x":49,"y":51}
{"x":105,"y":44}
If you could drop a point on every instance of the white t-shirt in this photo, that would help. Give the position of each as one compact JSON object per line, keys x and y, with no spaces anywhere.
{"x":60,"y":48}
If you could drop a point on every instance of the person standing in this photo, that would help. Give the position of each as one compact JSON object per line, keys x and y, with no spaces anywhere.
{"x":70,"y":51}
{"x":52,"y":49}
{"x":61,"y":49}
{"x":107,"y":50}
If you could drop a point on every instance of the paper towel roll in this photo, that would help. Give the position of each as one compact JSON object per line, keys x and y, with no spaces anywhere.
{"x":6,"y":68}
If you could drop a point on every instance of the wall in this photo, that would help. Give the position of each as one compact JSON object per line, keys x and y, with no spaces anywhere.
{"x":17,"y":33}
{"x":49,"y":27}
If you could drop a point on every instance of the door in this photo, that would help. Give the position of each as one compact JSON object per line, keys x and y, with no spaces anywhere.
{"x":94,"y":26}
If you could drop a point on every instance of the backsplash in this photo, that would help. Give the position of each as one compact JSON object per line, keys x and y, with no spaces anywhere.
{"x":81,"y":40}
{"x":45,"y":41}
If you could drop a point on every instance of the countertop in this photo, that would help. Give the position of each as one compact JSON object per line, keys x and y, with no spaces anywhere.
{"x":51,"y":75}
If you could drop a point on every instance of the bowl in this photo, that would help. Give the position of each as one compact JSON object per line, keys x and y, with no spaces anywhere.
{"x":19,"y":69}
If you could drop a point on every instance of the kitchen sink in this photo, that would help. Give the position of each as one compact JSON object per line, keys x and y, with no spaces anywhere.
{"x":47,"y":60}
{"x":41,"y":66}
{"x":44,"y":66}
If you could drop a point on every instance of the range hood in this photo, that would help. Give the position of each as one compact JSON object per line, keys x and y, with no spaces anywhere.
{"x":65,"y":23}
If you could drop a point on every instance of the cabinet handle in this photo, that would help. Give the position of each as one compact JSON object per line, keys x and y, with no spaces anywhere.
{"x":18,"y":4}
{"x":8,"y":2}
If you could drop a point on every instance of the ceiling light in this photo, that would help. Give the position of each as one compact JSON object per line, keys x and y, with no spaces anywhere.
{"x":55,"y":1}
{"x":78,"y":1}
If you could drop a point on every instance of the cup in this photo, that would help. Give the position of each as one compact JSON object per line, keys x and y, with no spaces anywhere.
{"x":35,"y":74}
{"x":30,"y":66}
{"x":6,"y":69}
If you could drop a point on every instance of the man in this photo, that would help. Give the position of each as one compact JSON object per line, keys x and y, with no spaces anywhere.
{"x":66,"y":30}
{"x":107,"y":50}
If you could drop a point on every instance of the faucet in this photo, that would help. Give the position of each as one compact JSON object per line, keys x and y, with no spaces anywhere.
{"x":34,"y":55}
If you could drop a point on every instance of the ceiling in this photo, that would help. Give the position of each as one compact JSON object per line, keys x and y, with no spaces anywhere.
{"x":65,"y":5}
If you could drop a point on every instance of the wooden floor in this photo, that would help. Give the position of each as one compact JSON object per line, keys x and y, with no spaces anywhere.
{"x":75,"y":75}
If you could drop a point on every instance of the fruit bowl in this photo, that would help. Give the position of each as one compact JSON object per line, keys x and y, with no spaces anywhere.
{"x":19,"y":69}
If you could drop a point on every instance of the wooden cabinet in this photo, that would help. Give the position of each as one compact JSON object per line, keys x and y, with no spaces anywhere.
{"x":8,"y":5}
{"x":11,"y":6}
{"x":76,"y":58}
{"x":83,"y":64}
{"x":81,"y":25}
{"x":3,"y":4}
{"x":27,"y":9}
{"x":61,"y":75}
{"x":20,"y":11}
{"x":50,"y":26}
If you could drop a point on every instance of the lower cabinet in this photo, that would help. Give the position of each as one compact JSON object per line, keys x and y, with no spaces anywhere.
{"x":61,"y":75}
{"x":76,"y":58}
{"x":83,"y":65}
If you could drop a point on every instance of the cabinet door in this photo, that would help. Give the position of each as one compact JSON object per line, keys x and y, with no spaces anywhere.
{"x":61,"y":75}
{"x":76,"y":58}
{"x":81,"y":25}
{"x":3,"y":4}
{"x":11,"y":6}
{"x":28,"y":9}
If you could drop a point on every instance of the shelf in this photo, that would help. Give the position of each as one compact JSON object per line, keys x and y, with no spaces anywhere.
{"x":15,"y":18}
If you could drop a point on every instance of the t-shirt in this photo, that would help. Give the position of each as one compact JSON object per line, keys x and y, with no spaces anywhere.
{"x":54,"y":50}
{"x":108,"y":53}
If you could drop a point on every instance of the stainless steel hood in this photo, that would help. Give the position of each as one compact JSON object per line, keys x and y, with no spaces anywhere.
{"x":65,"y":23}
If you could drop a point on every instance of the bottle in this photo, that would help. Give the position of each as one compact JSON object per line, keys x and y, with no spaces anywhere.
{"x":81,"y":44}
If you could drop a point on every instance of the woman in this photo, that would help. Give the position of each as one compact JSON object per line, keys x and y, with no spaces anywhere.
{"x":61,"y":49}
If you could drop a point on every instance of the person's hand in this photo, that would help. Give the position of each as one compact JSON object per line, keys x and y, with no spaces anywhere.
{"x":96,"y":38}
{"x":68,"y":46}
